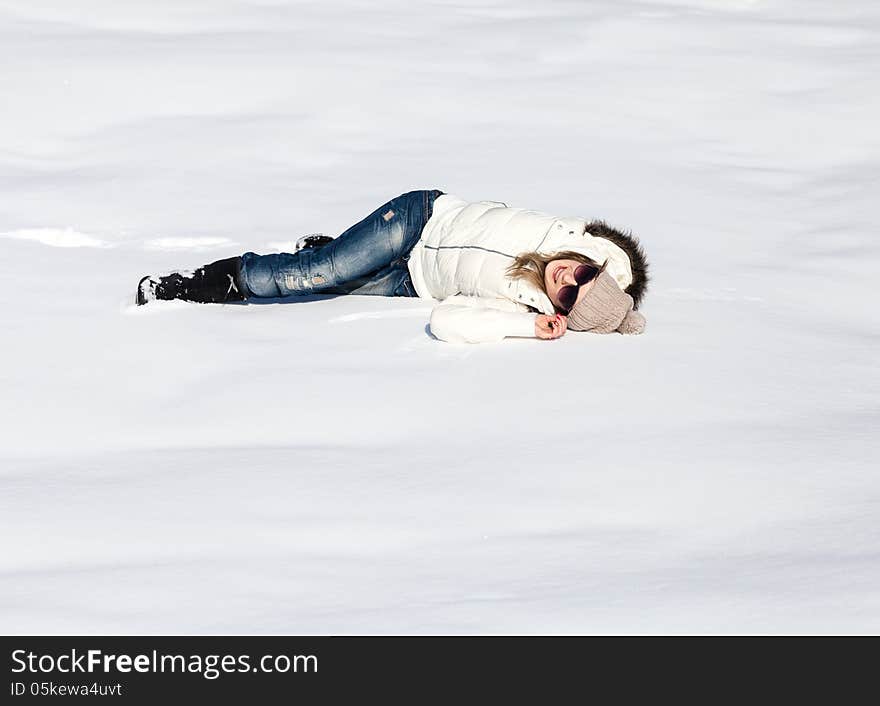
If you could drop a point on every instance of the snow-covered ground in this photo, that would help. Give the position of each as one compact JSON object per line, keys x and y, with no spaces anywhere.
{"x":330,"y":468}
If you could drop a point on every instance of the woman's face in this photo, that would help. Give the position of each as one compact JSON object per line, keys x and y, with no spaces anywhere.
{"x":559,"y":274}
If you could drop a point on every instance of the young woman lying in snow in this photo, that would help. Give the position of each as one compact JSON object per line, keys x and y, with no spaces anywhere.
{"x":497,"y":271}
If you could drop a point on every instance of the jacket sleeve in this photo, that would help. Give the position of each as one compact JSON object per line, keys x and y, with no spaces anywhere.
{"x":462,"y":319}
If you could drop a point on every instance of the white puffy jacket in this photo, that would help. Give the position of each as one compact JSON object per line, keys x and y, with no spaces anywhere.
{"x":462,"y":258}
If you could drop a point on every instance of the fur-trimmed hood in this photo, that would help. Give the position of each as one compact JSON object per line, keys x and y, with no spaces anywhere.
{"x":630,"y":244}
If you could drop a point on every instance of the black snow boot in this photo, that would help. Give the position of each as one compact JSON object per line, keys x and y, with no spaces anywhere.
{"x":309,"y":242}
{"x":216,"y":283}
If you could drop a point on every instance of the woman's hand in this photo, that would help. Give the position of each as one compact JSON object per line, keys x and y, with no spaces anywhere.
{"x":548,"y":327}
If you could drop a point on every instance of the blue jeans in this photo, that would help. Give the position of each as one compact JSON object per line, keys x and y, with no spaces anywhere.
{"x":368,"y":258}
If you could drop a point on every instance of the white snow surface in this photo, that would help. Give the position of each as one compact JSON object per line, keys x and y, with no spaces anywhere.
{"x":328,"y":467}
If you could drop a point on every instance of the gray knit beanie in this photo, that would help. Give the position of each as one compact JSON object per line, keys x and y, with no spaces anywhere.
{"x":606,"y":308}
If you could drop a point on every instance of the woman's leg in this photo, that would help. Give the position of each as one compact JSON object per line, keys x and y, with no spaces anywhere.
{"x":368,"y":258}
{"x":348,"y":262}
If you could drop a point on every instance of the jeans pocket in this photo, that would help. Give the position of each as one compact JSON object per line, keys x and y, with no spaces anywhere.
{"x":405,"y":288}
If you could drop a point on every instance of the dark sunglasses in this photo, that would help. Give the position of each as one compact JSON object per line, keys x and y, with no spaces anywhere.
{"x":568,"y":294}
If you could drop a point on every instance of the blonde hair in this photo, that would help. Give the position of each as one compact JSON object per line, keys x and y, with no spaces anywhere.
{"x":530,"y":266}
